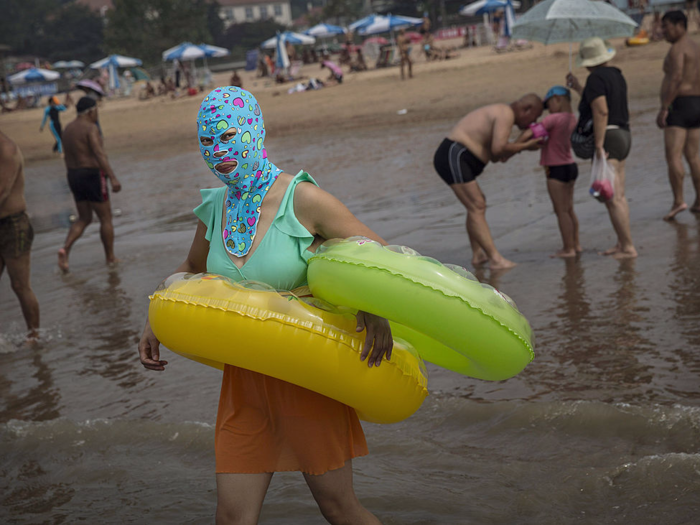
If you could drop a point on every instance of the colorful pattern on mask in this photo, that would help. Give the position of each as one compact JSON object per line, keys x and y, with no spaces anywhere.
{"x":222,"y":110}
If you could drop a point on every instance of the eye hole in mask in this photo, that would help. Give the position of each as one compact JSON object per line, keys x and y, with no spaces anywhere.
{"x":206,"y":141}
{"x":228,"y":136}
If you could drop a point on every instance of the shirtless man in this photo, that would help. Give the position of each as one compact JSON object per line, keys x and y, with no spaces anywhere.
{"x":479,"y":138}
{"x":16,"y":233}
{"x":404,"y":49}
{"x":679,"y":115}
{"x":88,"y":169}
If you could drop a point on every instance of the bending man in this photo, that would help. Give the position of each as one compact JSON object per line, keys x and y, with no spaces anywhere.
{"x":479,"y":138}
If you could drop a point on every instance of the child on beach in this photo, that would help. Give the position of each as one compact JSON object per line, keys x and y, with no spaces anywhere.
{"x":559,"y":164}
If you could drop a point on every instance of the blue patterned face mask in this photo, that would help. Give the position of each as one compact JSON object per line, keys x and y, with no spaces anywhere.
{"x":231,"y":125}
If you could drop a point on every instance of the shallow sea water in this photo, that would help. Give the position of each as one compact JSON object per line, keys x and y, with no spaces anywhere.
{"x":603,"y":427}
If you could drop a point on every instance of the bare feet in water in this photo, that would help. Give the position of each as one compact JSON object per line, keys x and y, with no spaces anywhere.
{"x":618,"y":253}
{"x":113,"y":262}
{"x":63,"y":260}
{"x":565,"y":253}
{"x":502,"y":264}
{"x":479,"y":258}
{"x":675,"y":211}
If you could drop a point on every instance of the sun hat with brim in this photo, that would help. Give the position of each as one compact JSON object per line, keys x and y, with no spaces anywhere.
{"x":556,"y":91}
{"x":594,"y":52}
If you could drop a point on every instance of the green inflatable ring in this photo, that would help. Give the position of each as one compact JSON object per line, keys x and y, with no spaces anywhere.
{"x":452,"y":319}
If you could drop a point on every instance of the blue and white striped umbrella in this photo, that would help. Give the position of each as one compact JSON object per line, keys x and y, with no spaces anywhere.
{"x":384,"y":24}
{"x":288,"y":36}
{"x":190,"y":51}
{"x":324,"y":30}
{"x":116,"y":61}
{"x":282,"y":58}
{"x":508,"y":19}
{"x":362,"y":22}
{"x":33,"y":75}
{"x":485,"y":6}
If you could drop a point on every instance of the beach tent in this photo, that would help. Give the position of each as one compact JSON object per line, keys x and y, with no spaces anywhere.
{"x":324,"y":30}
{"x":33,"y":75}
{"x":385,"y":24}
{"x":112,"y":63}
{"x":554,"y":21}
{"x":288,"y":36}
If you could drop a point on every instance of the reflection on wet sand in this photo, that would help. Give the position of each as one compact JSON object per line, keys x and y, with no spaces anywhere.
{"x":107,"y":311}
{"x":39,"y":402}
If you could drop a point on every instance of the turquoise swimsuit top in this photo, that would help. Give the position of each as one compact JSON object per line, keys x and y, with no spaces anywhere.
{"x":281,"y":258}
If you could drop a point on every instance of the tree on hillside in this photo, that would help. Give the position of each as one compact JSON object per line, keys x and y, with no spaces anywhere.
{"x":241,"y":37}
{"x":145,"y":28}
{"x":73,"y":32}
{"x":347,"y":10}
{"x":22,"y":24}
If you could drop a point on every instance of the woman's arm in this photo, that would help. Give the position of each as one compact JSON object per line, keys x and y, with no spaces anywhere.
{"x":196,"y":262}
{"x":600,"y":123}
{"x":325,"y":216}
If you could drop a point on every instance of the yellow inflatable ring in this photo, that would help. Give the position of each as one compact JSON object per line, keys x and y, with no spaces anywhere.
{"x":443,"y":311}
{"x":214,"y":320}
{"x":637,"y":41}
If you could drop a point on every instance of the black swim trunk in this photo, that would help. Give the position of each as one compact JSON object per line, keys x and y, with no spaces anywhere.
{"x":684,"y":113}
{"x":88,"y":184}
{"x":618,"y":143}
{"x":565,"y":173}
{"x":456,"y":164}
{"x":16,"y":235}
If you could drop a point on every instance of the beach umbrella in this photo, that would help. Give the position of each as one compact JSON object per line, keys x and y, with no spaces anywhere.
{"x":288,"y":36}
{"x":554,"y":21}
{"x":184,"y":51}
{"x":189,"y":51}
{"x":75,"y":64}
{"x":385,"y":24}
{"x":508,"y":19}
{"x":24,"y":65}
{"x":61,"y":64}
{"x":91,"y":85}
{"x":117,"y":61}
{"x":483,"y":7}
{"x":33,"y":75}
{"x":324,"y":30}
{"x":362,"y":22}
{"x":282,"y":58}
{"x":214,"y":51}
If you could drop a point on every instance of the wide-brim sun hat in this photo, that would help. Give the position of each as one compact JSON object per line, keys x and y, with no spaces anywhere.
{"x":594,"y":52}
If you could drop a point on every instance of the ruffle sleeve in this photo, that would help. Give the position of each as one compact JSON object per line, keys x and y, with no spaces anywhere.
{"x":286,"y":220}
{"x":212,"y":200}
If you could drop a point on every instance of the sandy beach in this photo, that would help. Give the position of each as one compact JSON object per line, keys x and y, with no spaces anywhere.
{"x":443,"y":90}
{"x":603,"y":427}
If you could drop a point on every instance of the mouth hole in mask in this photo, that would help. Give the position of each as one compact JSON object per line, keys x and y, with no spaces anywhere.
{"x":226,"y":167}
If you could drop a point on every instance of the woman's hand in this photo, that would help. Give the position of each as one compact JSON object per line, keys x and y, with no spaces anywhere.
{"x":149,"y":350}
{"x":601,"y":153}
{"x":378,"y":338}
{"x":573,"y":83}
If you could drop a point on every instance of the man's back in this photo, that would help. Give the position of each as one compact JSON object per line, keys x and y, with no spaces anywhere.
{"x":476,"y":129}
{"x":76,"y":144}
{"x":11,"y":178}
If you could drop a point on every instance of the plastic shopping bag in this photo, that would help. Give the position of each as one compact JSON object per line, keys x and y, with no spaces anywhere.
{"x":602,"y":179}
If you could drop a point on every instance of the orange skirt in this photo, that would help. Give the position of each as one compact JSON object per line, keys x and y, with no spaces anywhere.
{"x":269,"y":425}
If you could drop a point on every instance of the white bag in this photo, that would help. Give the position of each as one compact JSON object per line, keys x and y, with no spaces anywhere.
{"x":602,"y":179}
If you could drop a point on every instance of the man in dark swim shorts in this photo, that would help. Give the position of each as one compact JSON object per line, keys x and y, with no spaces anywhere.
{"x":16,"y":233}
{"x":477,"y":139}
{"x":88,"y":171}
{"x":679,"y":115}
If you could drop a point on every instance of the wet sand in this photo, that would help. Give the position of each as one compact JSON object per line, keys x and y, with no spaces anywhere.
{"x":603,"y":427}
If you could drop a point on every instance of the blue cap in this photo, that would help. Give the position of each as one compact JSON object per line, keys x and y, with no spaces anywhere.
{"x":557,"y":90}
